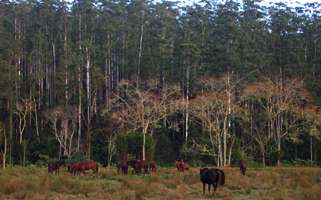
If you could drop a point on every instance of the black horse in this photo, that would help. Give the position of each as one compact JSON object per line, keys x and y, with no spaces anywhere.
{"x":53,"y":167}
{"x":213,"y":177}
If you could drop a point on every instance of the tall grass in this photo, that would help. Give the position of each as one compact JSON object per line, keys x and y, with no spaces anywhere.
{"x":167,"y":183}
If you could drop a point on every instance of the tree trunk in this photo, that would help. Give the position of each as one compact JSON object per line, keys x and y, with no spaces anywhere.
{"x":140,"y":47}
{"x":4,"y":156}
{"x":279,"y":152}
{"x":230,"y":152}
{"x":65,"y":60}
{"x":311,"y":149}
{"x":88,"y":102}
{"x":36,"y":122}
{"x":79,"y":89}
{"x":110,"y":150}
{"x":263,"y":154}
{"x":220,"y":153}
{"x":144,"y":147}
{"x":10,"y":132}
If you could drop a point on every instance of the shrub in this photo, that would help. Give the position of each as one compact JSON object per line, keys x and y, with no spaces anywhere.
{"x":132,"y":143}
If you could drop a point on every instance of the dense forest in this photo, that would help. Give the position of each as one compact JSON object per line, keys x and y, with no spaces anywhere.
{"x":212,"y":83}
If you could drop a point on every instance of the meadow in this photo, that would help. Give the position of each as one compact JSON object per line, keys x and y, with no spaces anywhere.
{"x":269,"y":183}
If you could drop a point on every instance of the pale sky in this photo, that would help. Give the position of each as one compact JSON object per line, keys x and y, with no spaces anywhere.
{"x":290,"y":2}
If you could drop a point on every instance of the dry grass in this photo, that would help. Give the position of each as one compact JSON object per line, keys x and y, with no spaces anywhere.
{"x":270,"y":183}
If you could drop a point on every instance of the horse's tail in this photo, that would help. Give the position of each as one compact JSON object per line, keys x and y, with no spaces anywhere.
{"x":223,"y":178}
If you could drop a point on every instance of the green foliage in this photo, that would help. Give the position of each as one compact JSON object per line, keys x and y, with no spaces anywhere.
{"x":131,"y":143}
{"x":314,"y":87}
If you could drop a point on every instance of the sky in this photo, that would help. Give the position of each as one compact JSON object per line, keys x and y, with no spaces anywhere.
{"x":290,"y":2}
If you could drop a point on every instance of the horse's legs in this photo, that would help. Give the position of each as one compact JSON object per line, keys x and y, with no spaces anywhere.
{"x":203,"y":188}
{"x":215,"y":186}
{"x":209,"y":188}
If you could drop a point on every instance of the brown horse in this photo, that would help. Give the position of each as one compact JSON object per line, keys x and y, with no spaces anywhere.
{"x":181,"y":165}
{"x":153,"y":166}
{"x":77,"y":168}
{"x":139,"y":166}
{"x":242,"y":167}
{"x":122,"y":167}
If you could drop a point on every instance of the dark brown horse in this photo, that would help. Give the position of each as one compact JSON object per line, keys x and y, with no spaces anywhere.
{"x":122,"y":167}
{"x":214,"y":177}
{"x":181,"y":165}
{"x":77,"y":168}
{"x":139,"y":166}
{"x":242,"y":167}
{"x":53,"y":167}
{"x":153,"y":166}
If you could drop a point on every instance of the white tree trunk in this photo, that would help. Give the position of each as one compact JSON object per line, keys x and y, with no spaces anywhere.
{"x":79,"y":89}
{"x":88,"y":100}
{"x":4,"y":156}
{"x":140,"y":47}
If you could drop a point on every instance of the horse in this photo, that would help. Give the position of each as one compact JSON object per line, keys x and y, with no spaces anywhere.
{"x":210,"y":177}
{"x":138,"y":166}
{"x":153,"y":166}
{"x":221,"y":180}
{"x":122,"y":167}
{"x":76,"y":168}
{"x":181,"y":165}
{"x":242,"y":167}
{"x":135,"y":164}
{"x":144,"y":166}
{"x":53,"y":167}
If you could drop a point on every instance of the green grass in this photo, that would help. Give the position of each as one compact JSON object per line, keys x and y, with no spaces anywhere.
{"x":167,"y":183}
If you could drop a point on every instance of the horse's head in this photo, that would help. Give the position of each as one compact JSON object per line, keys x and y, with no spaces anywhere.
{"x":203,"y":170}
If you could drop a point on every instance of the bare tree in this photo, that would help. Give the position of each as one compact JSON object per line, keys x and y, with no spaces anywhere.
{"x":22,"y":110}
{"x":63,"y":121}
{"x":141,"y":110}
{"x":280,"y":100}
{"x":211,"y":110}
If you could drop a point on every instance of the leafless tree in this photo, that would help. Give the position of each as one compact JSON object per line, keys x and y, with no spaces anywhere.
{"x":63,"y":121}
{"x":142,"y":110}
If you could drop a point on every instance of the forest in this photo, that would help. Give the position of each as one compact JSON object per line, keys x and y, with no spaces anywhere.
{"x":211,"y":83}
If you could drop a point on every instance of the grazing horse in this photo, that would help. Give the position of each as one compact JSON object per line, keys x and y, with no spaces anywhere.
{"x":242,"y":167}
{"x":144,"y":166}
{"x":135,"y":164}
{"x":139,"y":166}
{"x":181,"y":165}
{"x":153,"y":166}
{"x":53,"y":167}
{"x":77,"y":168}
{"x":210,"y":177}
{"x":122,"y":167}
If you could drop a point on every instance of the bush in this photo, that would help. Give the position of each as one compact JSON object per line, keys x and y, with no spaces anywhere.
{"x":132,"y":143}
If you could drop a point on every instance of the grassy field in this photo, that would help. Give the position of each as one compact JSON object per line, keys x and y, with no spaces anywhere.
{"x":167,"y":183}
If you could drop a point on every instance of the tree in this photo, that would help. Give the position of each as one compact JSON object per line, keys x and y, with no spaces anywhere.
{"x":142,"y":110}
{"x":213,"y":109}
{"x":280,"y":102}
{"x":63,"y":122}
